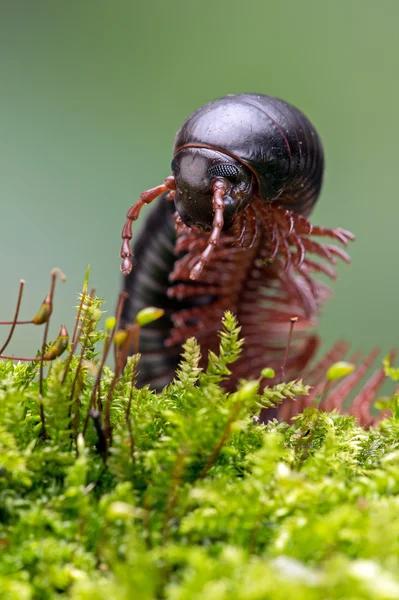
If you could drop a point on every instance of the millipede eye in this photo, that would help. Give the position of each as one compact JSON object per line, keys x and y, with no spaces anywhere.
{"x":224,"y":170}
{"x":175,"y":166}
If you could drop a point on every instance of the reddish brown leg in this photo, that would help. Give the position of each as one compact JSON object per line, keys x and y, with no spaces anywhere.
{"x":243,"y":230}
{"x":319,"y":268}
{"x":219,"y":190}
{"x":342,"y":235}
{"x":275,"y":242}
{"x":133,"y":214}
{"x":237,"y":227}
{"x":362,"y":404}
{"x":286,"y":220}
{"x":321,"y":250}
{"x":253,"y":228}
{"x":295,"y":240}
{"x":337,"y":397}
{"x":338,"y":252}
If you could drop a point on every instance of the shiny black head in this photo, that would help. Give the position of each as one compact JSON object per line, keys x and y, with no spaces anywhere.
{"x":195,"y":170}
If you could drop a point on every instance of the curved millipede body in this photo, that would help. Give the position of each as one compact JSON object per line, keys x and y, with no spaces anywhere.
{"x":231,"y":231}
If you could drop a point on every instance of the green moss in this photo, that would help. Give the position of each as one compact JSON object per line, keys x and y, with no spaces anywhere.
{"x":194,"y":498}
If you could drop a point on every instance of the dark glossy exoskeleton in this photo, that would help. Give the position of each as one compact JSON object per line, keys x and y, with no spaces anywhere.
{"x":259,"y":144}
{"x":248,"y":169}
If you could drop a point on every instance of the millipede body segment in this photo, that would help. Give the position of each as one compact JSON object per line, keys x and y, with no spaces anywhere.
{"x":230,"y":231}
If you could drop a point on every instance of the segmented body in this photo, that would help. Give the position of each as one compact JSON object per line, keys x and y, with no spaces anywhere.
{"x":271,"y":137}
{"x":261,"y":291}
{"x":264,"y":267}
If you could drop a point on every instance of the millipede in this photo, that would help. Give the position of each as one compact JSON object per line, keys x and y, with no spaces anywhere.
{"x":230,"y":231}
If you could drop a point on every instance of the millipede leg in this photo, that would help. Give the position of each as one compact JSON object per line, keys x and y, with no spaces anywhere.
{"x":133,"y":214}
{"x":219,"y":190}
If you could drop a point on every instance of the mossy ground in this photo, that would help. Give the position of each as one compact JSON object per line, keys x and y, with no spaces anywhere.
{"x":193,"y":498}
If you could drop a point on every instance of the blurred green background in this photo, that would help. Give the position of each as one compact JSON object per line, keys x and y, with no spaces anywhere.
{"x":92,"y":93}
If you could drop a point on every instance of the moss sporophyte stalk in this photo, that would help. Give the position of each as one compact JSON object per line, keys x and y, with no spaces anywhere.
{"x":111,"y":491}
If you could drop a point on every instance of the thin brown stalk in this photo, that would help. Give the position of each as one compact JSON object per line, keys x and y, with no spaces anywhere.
{"x":136,"y":339}
{"x":122,"y":351}
{"x":107,"y":346}
{"x":21,"y":358}
{"x":222,"y":440}
{"x":287,"y":348}
{"x":99,"y":402}
{"x":44,"y":343}
{"x":118,"y":314}
{"x":17,"y":322}
{"x":119,"y":307}
{"x":77,"y":372}
{"x":76,"y":339}
{"x":118,"y":370}
{"x":14,"y":322}
{"x":75,"y":329}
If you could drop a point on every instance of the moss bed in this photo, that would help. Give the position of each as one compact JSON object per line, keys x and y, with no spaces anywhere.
{"x":185,"y":495}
